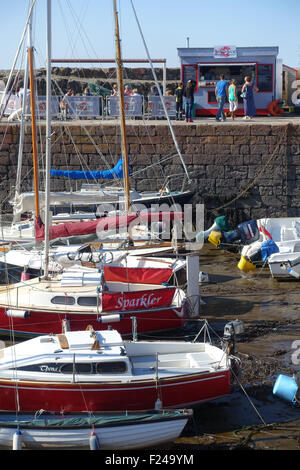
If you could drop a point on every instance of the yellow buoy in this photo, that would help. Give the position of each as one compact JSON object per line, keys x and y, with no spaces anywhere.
{"x":214,"y":238}
{"x":245,"y":265}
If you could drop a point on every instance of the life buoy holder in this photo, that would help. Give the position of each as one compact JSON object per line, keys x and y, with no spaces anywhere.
{"x":274,"y":108}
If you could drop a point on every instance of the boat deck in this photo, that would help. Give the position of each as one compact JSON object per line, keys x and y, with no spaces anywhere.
{"x":201,"y":362}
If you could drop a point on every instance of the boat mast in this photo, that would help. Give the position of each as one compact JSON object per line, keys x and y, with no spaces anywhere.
{"x":161,"y":96}
{"x":33,"y":128}
{"x":15,"y":61}
{"x":119,"y":67}
{"x":24,"y":107}
{"x":48,"y":141}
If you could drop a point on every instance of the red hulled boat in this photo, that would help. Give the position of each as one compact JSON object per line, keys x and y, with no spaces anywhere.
{"x":97,"y":371}
{"x":73,"y":300}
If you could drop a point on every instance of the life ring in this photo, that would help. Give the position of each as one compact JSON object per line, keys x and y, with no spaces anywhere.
{"x":274,"y":108}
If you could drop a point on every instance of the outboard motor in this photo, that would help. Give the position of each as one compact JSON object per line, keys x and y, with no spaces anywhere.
{"x":231,"y":330}
{"x":249,"y":232}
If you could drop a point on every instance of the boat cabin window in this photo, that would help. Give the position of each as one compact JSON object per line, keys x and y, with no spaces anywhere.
{"x":87,"y":301}
{"x":80,"y":368}
{"x":63,"y":300}
{"x":118,"y":367}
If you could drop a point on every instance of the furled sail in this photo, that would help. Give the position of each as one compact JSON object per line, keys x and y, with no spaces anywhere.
{"x":72,"y":229}
{"x":116,"y":172}
{"x":112,"y":222}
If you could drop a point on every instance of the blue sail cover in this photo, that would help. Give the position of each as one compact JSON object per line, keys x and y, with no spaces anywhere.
{"x":116,"y":172}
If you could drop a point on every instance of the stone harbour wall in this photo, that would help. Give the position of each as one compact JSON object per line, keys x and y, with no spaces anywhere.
{"x":244,"y":170}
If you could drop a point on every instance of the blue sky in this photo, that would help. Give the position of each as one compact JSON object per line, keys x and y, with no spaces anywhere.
{"x":84,"y":28}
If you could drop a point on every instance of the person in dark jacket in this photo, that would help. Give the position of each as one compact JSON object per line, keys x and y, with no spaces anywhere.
{"x":179,"y":101}
{"x":189,"y":100}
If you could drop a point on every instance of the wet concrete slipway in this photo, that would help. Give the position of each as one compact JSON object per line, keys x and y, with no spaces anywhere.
{"x":251,"y":417}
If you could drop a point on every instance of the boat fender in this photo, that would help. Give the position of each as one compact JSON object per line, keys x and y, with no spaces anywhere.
{"x":23,"y":227}
{"x":25,"y":276}
{"x":17,"y":440}
{"x":109,"y":318}
{"x":94,"y":442}
{"x":65,"y":325}
{"x":17,"y":313}
{"x":158,"y":404}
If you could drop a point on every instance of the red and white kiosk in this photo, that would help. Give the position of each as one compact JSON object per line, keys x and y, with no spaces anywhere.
{"x":205,"y":65}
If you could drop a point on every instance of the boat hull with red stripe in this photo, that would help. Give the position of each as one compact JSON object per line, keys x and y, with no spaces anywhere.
{"x":92,"y":370}
{"x":43,"y":322}
{"x":41,"y":307}
{"x":174,"y":392}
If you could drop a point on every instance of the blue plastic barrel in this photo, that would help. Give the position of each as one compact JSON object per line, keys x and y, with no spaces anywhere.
{"x":286,"y":388}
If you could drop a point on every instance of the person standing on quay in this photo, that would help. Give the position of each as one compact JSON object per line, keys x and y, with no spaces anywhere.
{"x":189,"y":96}
{"x":179,"y":101}
{"x":221,"y":92}
{"x":233,"y":99}
{"x":128,"y":91}
{"x":249,"y":105}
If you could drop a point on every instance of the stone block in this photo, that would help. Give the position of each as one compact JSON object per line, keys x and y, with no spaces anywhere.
{"x":187,"y":158}
{"x":257,"y":149}
{"x":204,"y":130}
{"x":212,"y":149}
{"x":202,"y":159}
{"x":213,"y":139}
{"x":241,"y":139}
{"x":245,"y":149}
{"x":252,"y":159}
{"x":295,"y":149}
{"x":258,"y":139}
{"x":4,"y":158}
{"x":229,"y":159}
{"x":279,"y":130}
{"x":240,"y":129}
{"x":225,"y":139}
{"x":215,"y":171}
{"x":134,"y":148}
{"x":260,"y":129}
{"x":147,"y":131}
{"x":106,"y":129}
{"x":235,"y":171}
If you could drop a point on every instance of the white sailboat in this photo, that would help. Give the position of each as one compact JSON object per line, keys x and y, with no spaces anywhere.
{"x":89,"y":195}
{"x":94,"y":431}
{"x":25,"y":231}
{"x":157,"y":306}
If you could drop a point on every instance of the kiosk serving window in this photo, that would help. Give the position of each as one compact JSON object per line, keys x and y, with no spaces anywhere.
{"x":209,"y":74}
